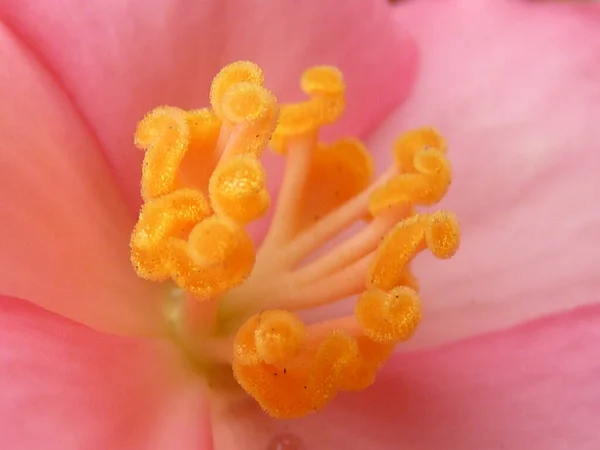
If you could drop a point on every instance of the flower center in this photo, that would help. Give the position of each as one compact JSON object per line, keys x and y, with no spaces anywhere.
{"x":203,"y":183}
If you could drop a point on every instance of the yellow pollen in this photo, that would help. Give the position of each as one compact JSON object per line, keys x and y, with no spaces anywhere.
{"x":230,"y":76}
{"x":279,"y":337}
{"x":334,"y":234}
{"x":165,"y":135}
{"x":238,"y":191}
{"x":438,"y":231}
{"x":389,"y":317}
{"x":162,"y":222}
{"x":425,"y":173}
{"x":325,"y":87}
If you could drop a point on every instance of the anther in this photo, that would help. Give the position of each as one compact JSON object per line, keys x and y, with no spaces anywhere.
{"x":237,"y":189}
{"x":425,"y":177}
{"x":218,"y":256}
{"x":164,"y":134}
{"x":443,"y":234}
{"x":326,"y":89}
{"x":163,"y":221}
{"x":389,"y":317}
{"x":252,"y":111}
{"x":413,"y":141}
{"x":279,"y":337}
{"x":439,"y":232}
{"x":229,"y":76}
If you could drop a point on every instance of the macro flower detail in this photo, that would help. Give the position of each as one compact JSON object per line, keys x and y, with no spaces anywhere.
{"x":203,"y":183}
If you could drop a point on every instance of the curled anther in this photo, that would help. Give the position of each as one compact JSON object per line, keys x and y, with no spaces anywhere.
{"x":247,"y":102}
{"x":252,"y":112}
{"x":279,"y":337}
{"x":161,"y":222}
{"x":413,"y":141}
{"x":326,"y":89}
{"x":443,"y":234}
{"x":425,"y":175}
{"x":218,"y":256}
{"x":287,"y":379}
{"x":439,"y":232}
{"x":164,"y":134}
{"x":229,"y":76}
{"x":237,"y":189}
{"x":389,"y":317}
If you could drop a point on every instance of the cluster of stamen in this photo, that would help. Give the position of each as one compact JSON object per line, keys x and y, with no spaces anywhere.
{"x":203,"y":183}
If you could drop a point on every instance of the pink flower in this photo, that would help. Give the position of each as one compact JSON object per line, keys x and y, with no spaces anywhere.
{"x":513,"y":86}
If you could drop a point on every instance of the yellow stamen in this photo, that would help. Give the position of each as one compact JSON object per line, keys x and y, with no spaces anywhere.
{"x":279,"y":336}
{"x":163,"y":221}
{"x":218,"y":256}
{"x":202,"y":245}
{"x":438,"y":231}
{"x":203,"y":183}
{"x":255,"y":109}
{"x":389,"y":317}
{"x":325,"y":87}
{"x":165,"y":135}
{"x":425,"y":176}
{"x":230,"y":76}
{"x":238,"y":191}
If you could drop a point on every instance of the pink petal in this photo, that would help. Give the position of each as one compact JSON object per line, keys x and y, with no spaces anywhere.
{"x":515,"y":88}
{"x":65,"y":386}
{"x":532,"y":387}
{"x":118,"y":59}
{"x":64,"y":227}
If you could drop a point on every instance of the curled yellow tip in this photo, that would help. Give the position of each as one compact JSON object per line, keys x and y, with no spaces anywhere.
{"x":323,"y":80}
{"x":255,"y":110}
{"x":290,"y":375}
{"x":164,"y":134}
{"x":389,"y":317}
{"x":160,"y":222}
{"x":214,"y":240}
{"x":247,"y":102}
{"x":230,"y":75}
{"x":218,"y":256}
{"x":326,"y":89}
{"x":279,"y":337}
{"x":281,"y":390}
{"x":303,"y":380}
{"x":438,"y":231}
{"x":443,"y":234}
{"x":413,"y":141}
{"x":237,"y":189}
{"x":426,"y":186}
